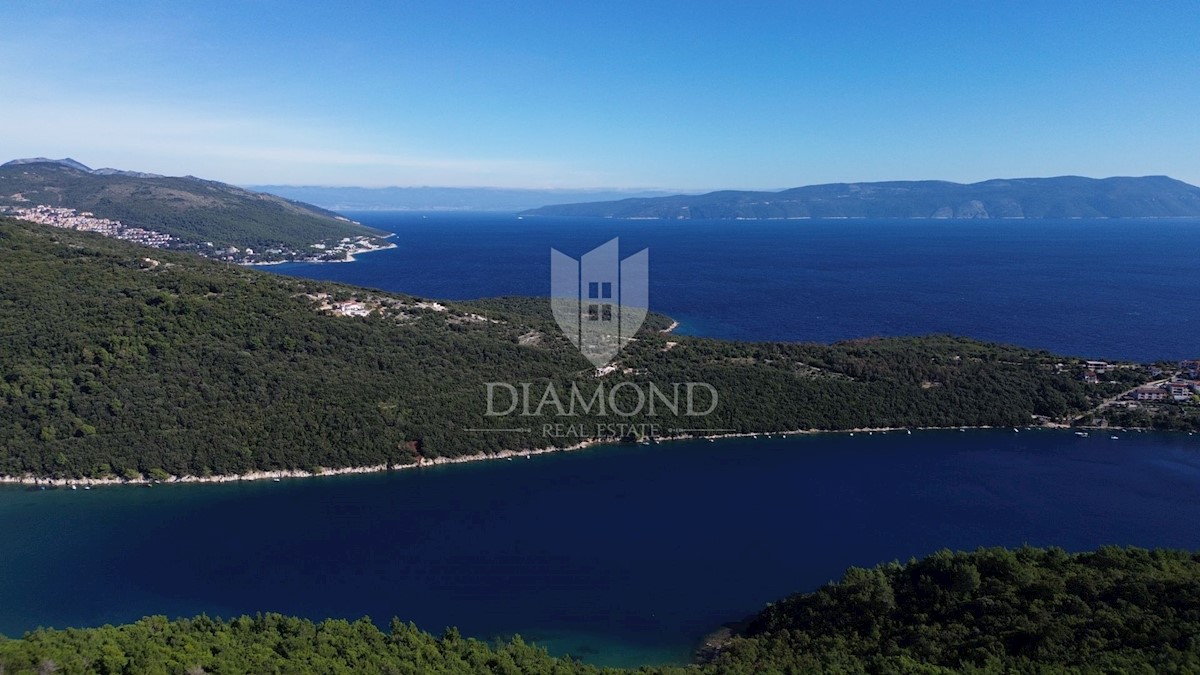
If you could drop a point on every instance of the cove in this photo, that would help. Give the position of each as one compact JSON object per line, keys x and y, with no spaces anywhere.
{"x":615,"y":554}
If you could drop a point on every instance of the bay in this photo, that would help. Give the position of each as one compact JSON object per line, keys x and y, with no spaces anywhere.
{"x":618,"y":554}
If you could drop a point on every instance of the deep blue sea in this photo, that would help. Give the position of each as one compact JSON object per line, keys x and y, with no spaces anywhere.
{"x":619,"y":555}
{"x":628,"y":555}
{"x":1113,"y":289}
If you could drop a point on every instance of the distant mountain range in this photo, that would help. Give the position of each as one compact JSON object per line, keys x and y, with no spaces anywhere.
{"x":442,"y":198}
{"x":1061,"y":197}
{"x":187,"y":208}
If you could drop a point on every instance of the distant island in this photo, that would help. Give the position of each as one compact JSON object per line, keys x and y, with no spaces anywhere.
{"x":190,"y":214}
{"x":1061,"y":197}
{"x":431,"y":198}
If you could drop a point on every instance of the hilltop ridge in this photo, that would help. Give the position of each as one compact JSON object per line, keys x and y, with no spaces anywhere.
{"x":204,"y":216}
{"x":1059,"y":197}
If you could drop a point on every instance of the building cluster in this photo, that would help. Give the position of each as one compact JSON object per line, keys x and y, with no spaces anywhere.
{"x":86,"y":221}
{"x":346,"y":249}
{"x":1093,"y":371}
{"x":1181,"y":387}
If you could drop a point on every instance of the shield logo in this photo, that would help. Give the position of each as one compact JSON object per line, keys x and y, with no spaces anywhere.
{"x":600,"y":301}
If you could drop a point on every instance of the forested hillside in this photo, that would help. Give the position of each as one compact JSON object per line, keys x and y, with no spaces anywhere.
{"x":994,"y":610}
{"x":187,"y":208}
{"x":990,"y":611}
{"x":119,"y":360}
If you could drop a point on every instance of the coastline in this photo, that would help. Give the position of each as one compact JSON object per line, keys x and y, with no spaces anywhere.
{"x":350,"y":257}
{"x":281,"y":474}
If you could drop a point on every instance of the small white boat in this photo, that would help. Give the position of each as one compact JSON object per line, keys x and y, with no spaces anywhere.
{"x":910,"y":432}
{"x":1081,"y":434}
{"x":276,"y":480}
{"x":1115,"y":437}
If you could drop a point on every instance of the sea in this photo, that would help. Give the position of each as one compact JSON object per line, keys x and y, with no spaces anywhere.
{"x":1105,"y":289}
{"x":628,"y":555}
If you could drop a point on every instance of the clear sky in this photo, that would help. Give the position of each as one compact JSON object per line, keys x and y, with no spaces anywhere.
{"x":677,"y":95}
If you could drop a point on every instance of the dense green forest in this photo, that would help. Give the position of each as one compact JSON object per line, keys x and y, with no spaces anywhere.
{"x":188,"y":208}
{"x":991,"y":611}
{"x":118,"y":360}
{"x":1028,"y":610}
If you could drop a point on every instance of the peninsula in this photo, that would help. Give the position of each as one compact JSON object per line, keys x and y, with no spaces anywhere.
{"x":188,"y":214}
{"x":160,"y":366}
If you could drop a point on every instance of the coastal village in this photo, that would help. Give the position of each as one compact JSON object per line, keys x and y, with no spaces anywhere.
{"x":86,"y":221}
{"x":342,"y":250}
{"x":1171,"y":400}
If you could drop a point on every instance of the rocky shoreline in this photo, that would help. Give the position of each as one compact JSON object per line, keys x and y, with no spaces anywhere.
{"x":281,"y":474}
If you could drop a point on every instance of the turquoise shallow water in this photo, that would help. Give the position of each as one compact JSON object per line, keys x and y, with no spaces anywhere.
{"x":621,"y":554}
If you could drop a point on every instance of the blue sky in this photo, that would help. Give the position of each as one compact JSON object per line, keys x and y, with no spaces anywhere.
{"x":678,"y":95}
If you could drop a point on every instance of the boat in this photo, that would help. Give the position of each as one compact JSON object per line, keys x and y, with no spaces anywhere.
{"x":1081,"y":434}
{"x":1115,"y":437}
{"x":276,"y":480}
{"x":910,"y":432}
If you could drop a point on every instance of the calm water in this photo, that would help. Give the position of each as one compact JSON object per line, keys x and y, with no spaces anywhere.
{"x":627,"y":555}
{"x":619,"y":555}
{"x":1106,"y":289}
